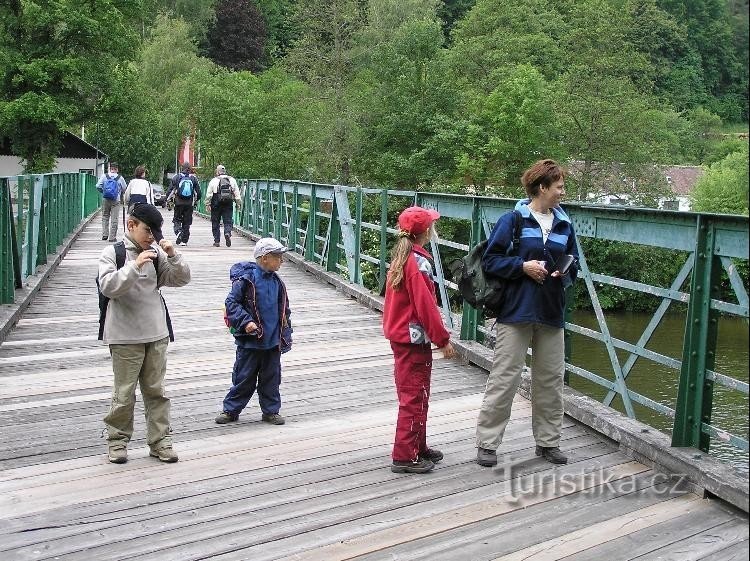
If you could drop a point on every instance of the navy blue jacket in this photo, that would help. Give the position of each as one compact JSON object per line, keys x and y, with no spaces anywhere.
{"x":527,"y":301}
{"x":259,"y":296}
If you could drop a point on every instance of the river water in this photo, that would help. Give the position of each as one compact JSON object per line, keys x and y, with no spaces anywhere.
{"x":659,"y":382}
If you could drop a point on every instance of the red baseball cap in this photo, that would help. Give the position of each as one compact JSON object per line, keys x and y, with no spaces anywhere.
{"x":416,"y":219}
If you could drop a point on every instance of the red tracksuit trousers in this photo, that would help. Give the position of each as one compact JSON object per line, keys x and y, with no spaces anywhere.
{"x":412,"y":373}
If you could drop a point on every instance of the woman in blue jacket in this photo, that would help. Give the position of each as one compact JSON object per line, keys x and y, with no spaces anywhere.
{"x":532,"y":315}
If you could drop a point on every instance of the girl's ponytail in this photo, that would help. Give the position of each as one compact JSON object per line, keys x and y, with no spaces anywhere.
{"x":399,"y":254}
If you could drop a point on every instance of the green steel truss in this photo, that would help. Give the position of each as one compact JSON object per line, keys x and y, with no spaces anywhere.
{"x":37,"y":212}
{"x":347,"y":231}
{"x":332,"y":225}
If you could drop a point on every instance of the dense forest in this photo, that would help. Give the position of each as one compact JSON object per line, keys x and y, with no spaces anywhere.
{"x":422,"y":94}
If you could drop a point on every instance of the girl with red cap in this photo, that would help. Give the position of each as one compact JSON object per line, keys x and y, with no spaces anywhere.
{"x":411,"y":321}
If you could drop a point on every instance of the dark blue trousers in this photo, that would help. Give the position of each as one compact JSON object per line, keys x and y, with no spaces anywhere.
{"x":221,"y":213}
{"x":255,"y":368}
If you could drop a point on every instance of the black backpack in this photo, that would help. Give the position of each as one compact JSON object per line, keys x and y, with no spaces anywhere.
{"x":224,"y":191}
{"x":484,"y":292}
{"x":104,"y":301}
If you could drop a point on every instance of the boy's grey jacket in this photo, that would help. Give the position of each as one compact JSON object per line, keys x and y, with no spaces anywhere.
{"x":136,"y":312}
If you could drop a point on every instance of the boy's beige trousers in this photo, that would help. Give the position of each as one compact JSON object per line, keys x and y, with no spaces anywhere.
{"x":143,"y":364}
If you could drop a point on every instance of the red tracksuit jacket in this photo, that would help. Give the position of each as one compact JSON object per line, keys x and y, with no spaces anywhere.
{"x":412,"y":309}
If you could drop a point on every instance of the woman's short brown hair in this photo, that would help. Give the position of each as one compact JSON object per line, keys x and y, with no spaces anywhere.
{"x":542,"y":173}
{"x":140,"y":171}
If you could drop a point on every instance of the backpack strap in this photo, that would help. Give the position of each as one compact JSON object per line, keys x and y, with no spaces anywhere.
{"x":517,"y":220}
{"x":119,"y":248}
{"x":119,"y":254}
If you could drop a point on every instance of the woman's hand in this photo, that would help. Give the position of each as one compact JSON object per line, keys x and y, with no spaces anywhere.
{"x":250,"y":327}
{"x":535,"y":270}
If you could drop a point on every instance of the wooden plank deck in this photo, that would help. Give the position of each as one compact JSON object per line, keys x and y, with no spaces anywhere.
{"x":318,"y":488}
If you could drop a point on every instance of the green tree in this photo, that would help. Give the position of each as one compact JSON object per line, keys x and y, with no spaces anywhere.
{"x":724,"y":187}
{"x":400,"y":109}
{"x":56,"y":65}
{"x":720,"y":43}
{"x":128,"y":127}
{"x":322,"y":57}
{"x":511,"y":128}
{"x":237,"y":36}
{"x":280,"y":28}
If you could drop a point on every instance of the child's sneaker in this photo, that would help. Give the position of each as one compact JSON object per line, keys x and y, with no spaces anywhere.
{"x":421,"y":465}
{"x":273,"y":418}
{"x":223,"y":418}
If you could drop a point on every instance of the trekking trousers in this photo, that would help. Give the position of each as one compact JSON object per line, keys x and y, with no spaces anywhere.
{"x":412,"y":373}
{"x":110,"y":217}
{"x":221,"y":213}
{"x":547,"y":370}
{"x":144,"y":364}
{"x":182,"y":219}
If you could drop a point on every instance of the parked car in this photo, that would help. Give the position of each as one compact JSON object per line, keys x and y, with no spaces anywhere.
{"x":159,"y":198}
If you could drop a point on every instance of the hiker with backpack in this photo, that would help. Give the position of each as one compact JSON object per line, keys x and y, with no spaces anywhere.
{"x":531,"y":314}
{"x":184,"y":193}
{"x":139,"y":189}
{"x":412,"y":322}
{"x":221,"y":193}
{"x":257,"y":313}
{"x":134,"y":322}
{"x":112,"y":186}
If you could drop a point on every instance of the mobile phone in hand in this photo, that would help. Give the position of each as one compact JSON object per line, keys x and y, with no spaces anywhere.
{"x":563,"y":264}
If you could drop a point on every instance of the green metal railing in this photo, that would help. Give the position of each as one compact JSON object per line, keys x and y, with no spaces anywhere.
{"x":37,"y":212}
{"x":346,"y":230}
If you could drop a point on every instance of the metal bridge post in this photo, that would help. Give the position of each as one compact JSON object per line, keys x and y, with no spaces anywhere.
{"x":695,"y":393}
{"x":7,"y":287}
{"x":312,"y":226}
{"x":470,"y":316}
{"x":383,"y":240}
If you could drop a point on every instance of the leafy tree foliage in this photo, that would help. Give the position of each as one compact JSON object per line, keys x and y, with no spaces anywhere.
{"x":321,"y":57}
{"x":724,"y":187}
{"x":237,"y":36}
{"x":56,"y":65}
{"x":407,"y":92}
{"x":280,"y":29}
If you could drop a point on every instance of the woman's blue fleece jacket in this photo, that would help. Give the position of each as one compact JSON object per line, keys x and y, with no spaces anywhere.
{"x":527,"y":301}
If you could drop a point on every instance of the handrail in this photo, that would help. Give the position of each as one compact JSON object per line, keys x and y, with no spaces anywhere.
{"x":37,"y":212}
{"x":346,"y":230}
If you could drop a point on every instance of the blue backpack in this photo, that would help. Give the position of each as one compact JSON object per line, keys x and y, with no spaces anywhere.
{"x":185,"y":187}
{"x":111,"y":187}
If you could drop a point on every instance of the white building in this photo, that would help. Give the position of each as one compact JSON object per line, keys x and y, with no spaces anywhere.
{"x":76,"y":155}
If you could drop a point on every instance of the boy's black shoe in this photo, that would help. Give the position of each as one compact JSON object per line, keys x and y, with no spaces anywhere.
{"x":216,"y":244}
{"x":223,"y":418}
{"x":105,"y":237}
{"x":273,"y":418}
{"x":431,"y":454}
{"x":552,"y":454}
{"x":422,"y":465}
{"x":228,"y":239}
{"x":486,"y":457}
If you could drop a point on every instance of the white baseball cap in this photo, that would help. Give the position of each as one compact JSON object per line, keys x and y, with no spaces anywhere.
{"x":265,"y":246}
{"x":221,"y":170}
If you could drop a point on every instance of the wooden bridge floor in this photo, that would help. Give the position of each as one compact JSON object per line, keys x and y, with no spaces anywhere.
{"x":318,"y":487}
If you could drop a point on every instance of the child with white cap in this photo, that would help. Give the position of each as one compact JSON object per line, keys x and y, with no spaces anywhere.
{"x":257,"y":309}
